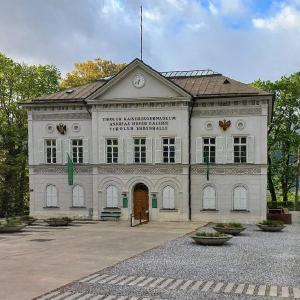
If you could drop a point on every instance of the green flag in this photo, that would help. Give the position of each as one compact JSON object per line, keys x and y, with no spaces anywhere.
{"x":70,"y":166}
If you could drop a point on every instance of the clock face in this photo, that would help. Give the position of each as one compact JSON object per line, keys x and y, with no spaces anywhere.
{"x":138,"y":81}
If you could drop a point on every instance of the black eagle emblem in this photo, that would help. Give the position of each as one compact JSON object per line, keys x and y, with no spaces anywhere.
{"x":61,"y":128}
{"x":224,"y":124}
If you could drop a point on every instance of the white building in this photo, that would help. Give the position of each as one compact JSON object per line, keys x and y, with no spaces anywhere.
{"x":140,"y":142}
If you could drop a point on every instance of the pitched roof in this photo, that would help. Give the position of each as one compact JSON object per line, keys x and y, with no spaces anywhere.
{"x":199,"y":83}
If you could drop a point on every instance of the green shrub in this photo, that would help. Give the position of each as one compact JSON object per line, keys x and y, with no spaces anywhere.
{"x":273,"y":223}
{"x":229,"y":225}
{"x":210,"y":234}
{"x":27,"y":218}
{"x":12,"y":221}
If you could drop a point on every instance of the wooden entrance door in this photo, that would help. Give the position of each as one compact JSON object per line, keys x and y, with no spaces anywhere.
{"x":140,"y":201}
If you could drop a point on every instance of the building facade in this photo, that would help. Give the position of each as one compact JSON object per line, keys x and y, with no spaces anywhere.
{"x":175,"y":145}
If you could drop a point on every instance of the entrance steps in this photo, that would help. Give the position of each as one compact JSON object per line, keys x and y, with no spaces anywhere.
{"x":110,"y":213}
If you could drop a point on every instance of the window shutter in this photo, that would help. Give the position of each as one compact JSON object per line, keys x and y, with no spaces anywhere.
{"x":240,"y":198}
{"x":130,"y":150}
{"x":250,"y":150}
{"x":51,"y":196}
{"x":102,"y":145}
{"x":120,"y":150}
{"x":158,"y":153}
{"x":115,"y":197}
{"x":168,"y":198}
{"x":58,"y":151}
{"x":67,"y":150}
{"x":85,"y":144}
{"x":81,"y":196}
{"x":229,"y":149}
{"x":220,"y":150}
{"x":171,"y":198}
{"x":109,"y":197}
{"x":78,"y":196}
{"x":209,"y":198}
{"x":42,"y":153}
{"x":178,"y":150}
{"x":148,"y":150}
{"x":199,"y":152}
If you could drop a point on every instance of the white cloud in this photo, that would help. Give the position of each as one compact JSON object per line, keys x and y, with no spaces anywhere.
{"x":287,"y":18}
{"x":232,"y":7}
{"x":213,"y":9}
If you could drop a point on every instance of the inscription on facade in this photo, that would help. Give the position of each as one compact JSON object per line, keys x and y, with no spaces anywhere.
{"x":139,"y":123}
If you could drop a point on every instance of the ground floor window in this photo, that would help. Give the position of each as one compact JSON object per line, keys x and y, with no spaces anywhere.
{"x":240,"y":198}
{"x":168,"y":198}
{"x":112,"y":198}
{"x":209,"y":198}
{"x":51,"y":196}
{"x":78,"y":196}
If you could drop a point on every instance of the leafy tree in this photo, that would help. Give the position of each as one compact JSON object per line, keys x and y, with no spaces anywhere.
{"x":89,"y":71}
{"x":18,"y":83}
{"x":283,"y":138}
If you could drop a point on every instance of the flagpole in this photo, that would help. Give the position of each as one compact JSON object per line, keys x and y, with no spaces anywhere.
{"x":141,"y":32}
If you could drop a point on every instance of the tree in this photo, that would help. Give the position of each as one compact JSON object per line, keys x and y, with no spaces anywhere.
{"x":283,"y":136}
{"x":18,"y":83}
{"x":89,"y":71}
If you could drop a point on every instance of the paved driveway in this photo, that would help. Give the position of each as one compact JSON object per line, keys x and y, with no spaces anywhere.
{"x":43,"y":258}
{"x":255,"y":265}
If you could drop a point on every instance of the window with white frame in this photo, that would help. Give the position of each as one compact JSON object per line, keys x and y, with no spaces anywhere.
{"x":209,"y":198}
{"x":112,"y":196}
{"x":139,"y":150}
{"x":51,"y":196}
{"x":240,"y":198}
{"x":50,"y":151}
{"x":240,"y":149}
{"x":112,"y":150}
{"x":168,"y":196}
{"x":78,"y":196}
{"x":209,"y":149}
{"x":168,"y":150}
{"x":77,"y":151}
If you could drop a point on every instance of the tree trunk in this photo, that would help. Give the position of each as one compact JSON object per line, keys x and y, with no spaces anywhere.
{"x":270,"y":181}
{"x":297,"y":181}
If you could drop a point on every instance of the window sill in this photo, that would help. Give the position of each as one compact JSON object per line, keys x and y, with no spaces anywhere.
{"x":240,"y":210}
{"x":209,"y":210}
{"x":77,"y":206}
{"x":168,"y":210}
{"x":51,"y":207}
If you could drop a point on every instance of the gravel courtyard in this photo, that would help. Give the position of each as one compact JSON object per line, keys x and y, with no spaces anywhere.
{"x":254,"y":265}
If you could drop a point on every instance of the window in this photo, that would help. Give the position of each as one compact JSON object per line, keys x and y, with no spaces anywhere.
{"x":168,"y":198}
{"x":139,"y":150}
{"x":78,"y":196}
{"x":112,"y":198}
{"x":51,"y":196}
{"x":112,"y":151}
{"x":240,"y":149}
{"x":168,"y":150}
{"x":209,"y":149}
{"x":77,"y":151}
{"x":51,"y":151}
{"x":240,"y":198}
{"x":209,"y":198}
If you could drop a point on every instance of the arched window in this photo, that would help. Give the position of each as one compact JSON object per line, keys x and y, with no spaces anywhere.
{"x":240,"y":198}
{"x":112,"y":198}
{"x":168,"y":198}
{"x":78,"y":196}
{"x":51,"y":196}
{"x":209,"y":198}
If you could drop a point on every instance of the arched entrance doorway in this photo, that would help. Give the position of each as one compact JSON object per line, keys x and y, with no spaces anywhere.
{"x":140,"y":201}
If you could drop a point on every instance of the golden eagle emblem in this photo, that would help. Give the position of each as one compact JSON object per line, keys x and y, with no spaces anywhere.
{"x":224,"y":124}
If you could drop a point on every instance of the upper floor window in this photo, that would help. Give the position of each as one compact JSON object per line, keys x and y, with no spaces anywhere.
{"x":112,"y":150}
{"x":139,"y":150}
{"x":51,"y":196}
{"x":240,"y":149}
{"x":51,"y":151}
{"x":209,"y":149}
{"x":168,"y":150}
{"x":77,"y":151}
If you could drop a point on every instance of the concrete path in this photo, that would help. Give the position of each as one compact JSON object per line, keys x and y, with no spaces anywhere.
{"x":43,"y":258}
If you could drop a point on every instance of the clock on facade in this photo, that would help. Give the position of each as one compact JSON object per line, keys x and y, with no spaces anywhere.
{"x":138,"y":81}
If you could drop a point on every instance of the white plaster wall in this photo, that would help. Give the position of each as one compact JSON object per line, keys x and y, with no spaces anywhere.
{"x":38,"y":184}
{"x":224,"y":184}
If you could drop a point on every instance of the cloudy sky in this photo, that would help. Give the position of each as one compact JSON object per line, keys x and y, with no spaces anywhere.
{"x":244,"y":39}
